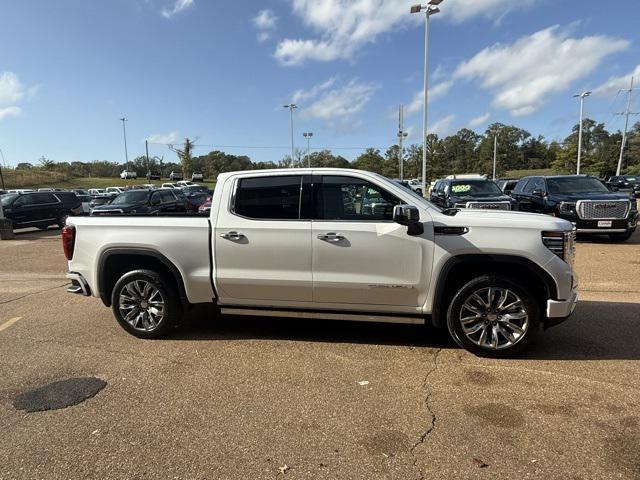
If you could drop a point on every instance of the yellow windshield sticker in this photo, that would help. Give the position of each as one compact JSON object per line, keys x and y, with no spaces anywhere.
{"x":460,"y":188}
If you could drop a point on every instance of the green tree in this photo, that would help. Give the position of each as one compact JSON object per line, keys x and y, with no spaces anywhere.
{"x":370,"y":160}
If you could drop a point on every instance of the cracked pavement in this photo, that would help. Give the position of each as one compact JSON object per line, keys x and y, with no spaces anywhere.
{"x":242,"y":397}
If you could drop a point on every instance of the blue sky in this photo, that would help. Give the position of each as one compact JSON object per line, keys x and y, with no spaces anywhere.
{"x":221,"y":71}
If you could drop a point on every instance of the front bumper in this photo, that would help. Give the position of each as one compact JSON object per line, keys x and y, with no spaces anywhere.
{"x":616,"y":226}
{"x":560,"y":310}
{"x":78,"y":285}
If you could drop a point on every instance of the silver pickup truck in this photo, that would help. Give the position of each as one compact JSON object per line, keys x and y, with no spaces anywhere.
{"x":331,"y":244}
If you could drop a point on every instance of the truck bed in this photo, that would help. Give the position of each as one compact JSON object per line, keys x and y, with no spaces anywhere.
{"x":184,"y":241}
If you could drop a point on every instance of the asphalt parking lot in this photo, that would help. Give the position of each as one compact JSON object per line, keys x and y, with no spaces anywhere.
{"x":270,"y":398}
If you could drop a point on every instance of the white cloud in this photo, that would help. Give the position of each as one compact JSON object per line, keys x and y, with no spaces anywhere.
{"x":341,"y":102}
{"x":443,"y":126}
{"x":301,"y":95}
{"x":459,"y":11}
{"x":614,"y":84}
{"x":12,"y":92}
{"x":435,"y":92}
{"x":265,"y":20}
{"x":525,"y":73}
{"x":265,"y":23}
{"x":177,"y":7}
{"x":9,"y":112}
{"x":171,"y":137}
{"x":342,"y":27}
{"x":478,"y":121}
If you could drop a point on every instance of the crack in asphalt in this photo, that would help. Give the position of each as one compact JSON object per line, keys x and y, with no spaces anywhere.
{"x":432,"y":424}
{"x":33,"y":293}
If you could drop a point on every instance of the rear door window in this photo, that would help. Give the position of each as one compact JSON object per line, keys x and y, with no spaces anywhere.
{"x":43,"y":198}
{"x":269,"y":197}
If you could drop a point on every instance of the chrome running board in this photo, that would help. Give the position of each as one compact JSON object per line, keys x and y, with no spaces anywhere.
{"x":354,"y":317}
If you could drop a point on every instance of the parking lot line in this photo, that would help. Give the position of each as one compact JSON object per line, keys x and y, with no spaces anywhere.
{"x":8,"y":323}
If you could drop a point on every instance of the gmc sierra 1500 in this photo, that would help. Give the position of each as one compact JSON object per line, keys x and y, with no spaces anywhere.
{"x":331,"y":244}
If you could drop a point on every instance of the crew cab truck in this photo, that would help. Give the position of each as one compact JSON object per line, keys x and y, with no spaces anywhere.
{"x":306,"y":243}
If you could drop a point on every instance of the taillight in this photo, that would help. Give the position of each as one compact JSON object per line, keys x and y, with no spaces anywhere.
{"x":68,"y":240}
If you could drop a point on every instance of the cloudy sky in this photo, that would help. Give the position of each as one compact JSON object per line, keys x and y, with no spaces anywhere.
{"x":221,"y":71}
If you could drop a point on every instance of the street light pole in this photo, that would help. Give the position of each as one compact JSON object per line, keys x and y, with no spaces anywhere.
{"x":291,"y":106}
{"x":308,"y":136}
{"x":124,"y":133}
{"x":430,"y":9}
{"x":581,"y":95}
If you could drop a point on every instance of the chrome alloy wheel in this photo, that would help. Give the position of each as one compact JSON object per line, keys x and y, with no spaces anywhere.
{"x":141,"y":305}
{"x":494,"y":318}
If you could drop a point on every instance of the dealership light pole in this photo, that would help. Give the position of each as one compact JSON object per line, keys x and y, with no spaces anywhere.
{"x":124,"y":133}
{"x":291,"y":106}
{"x":581,"y":96}
{"x":308,"y":136}
{"x":431,"y":8}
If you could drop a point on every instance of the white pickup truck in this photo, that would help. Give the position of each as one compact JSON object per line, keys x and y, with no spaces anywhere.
{"x":331,"y":244}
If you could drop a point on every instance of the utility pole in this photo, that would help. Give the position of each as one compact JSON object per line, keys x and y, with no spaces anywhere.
{"x":495,"y":154}
{"x":401,"y":136}
{"x":308,"y":136}
{"x":626,"y":125}
{"x":146,"y":149}
{"x":430,"y":9}
{"x":124,"y":133}
{"x":291,"y":106}
{"x":581,"y":95}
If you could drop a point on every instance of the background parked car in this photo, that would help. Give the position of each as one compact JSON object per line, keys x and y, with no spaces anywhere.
{"x":114,"y":190}
{"x":629,"y":183}
{"x":205,"y":208}
{"x":507,"y":185}
{"x":40,"y":209}
{"x":583,"y":200}
{"x":125,"y":174}
{"x":97,"y":191}
{"x":469,"y":193}
{"x":153,"y":176}
{"x":147,"y":202}
{"x":170,"y":185}
{"x":173,"y":176}
{"x":98,"y":200}
{"x":197,"y":177}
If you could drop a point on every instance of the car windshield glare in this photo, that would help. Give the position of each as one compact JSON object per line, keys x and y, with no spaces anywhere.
{"x":562,"y":185}
{"x":8,"y":198}
{"x":474,"y":188}
{"x":134,"y":196}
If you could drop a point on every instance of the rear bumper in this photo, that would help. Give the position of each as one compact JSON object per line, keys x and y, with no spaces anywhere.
{"x":78,"y":285}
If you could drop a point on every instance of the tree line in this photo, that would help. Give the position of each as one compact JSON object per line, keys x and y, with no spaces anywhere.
{"x":463,"y":152}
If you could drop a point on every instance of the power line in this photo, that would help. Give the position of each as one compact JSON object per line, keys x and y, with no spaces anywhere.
{"x":274,"y":147}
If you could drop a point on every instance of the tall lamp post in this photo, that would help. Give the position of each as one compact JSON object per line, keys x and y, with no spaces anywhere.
{"x":308,"y":136}
{"x":431,"y":8}
{"x":401,"y":136}
{"x":581,"y":96}
{"x":124,"y":133}
{"x":291,"y":106}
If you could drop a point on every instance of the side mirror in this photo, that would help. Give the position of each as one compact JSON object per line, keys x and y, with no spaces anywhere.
{"x":409,"y":216}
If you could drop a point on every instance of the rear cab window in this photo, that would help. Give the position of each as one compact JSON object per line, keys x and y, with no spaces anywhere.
{"x":268,"y":197}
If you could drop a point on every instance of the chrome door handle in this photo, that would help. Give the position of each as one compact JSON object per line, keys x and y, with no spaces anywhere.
{"x":232,"y":235}
{"x":331,"y":237}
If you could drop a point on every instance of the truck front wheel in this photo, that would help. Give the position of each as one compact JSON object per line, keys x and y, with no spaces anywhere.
{"x":494,"y":316}
{"x":145,"y":304}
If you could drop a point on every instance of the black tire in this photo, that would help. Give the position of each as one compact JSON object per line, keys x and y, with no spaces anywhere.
{"x":61,"y":221}
{"x":172,"y":308}
{"x":529,"y":305}
{"x":620,"y":237}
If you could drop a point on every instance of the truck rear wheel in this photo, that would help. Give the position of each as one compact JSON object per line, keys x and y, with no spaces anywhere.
{"x":145,"y":304}
{"x":494,"y":316}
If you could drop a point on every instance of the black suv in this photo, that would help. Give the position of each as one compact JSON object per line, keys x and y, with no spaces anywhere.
{"x":507,"y":185}
{"x":583,"y":200}
{"x":629,"y":183}
{"x":40,"y":209}
{"x":144,"y":202}
{"x":469,"y":193}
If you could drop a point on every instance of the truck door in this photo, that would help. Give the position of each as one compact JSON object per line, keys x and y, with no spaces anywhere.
{"x":360,"y":256}
{"x":262,"y":243}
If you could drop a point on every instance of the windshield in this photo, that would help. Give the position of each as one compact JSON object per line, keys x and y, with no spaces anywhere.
{"x":8,"y":199}
{"x":134,"y":196}
{"x":474,"y":189}
{"x":631,"y":179}
{"x":575,"y":185}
